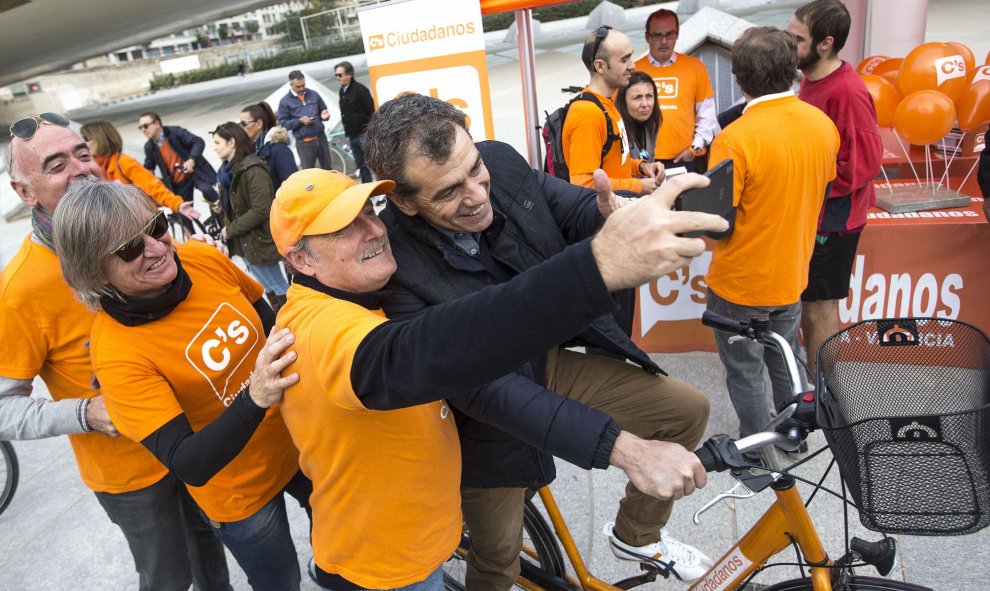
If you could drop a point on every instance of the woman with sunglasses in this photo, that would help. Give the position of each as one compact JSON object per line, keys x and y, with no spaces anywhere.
{"x":637,"y":103}
{"x":271,"y":141}
{"x":179,"y":351}
{"x":106,"y":145}
{"x":246,"y":195}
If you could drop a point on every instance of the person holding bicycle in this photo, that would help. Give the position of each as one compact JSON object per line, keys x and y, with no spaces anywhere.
{"x":466,"y":216}
{"x":44,"y":331}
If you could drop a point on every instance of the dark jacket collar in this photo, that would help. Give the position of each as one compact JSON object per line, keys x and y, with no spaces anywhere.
{"x":371,"y":300}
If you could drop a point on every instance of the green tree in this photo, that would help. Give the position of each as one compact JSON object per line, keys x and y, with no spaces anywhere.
{"x":223,"y":33}
{"x":251,"y":27}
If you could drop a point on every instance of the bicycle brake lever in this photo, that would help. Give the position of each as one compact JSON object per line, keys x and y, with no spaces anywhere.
{"x":739,"y":491}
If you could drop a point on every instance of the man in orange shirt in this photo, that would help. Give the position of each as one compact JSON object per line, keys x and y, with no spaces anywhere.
{"x":780,"y":182}
{"x":387,"y":469}
{"x":44,"y":331}
{"x":684,"y":94}
{"x":589,"y":127}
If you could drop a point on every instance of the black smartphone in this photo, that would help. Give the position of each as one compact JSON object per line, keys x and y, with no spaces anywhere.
{"x":715,"y":198}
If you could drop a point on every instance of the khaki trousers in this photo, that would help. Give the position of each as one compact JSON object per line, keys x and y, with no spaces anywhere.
{"x":652,"y":407}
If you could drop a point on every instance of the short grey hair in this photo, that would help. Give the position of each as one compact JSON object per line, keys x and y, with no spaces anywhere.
{"x":94,"y":218}
{"x":406,"y":127}
{"x":304,"y":247}
{"x":8,"y":161}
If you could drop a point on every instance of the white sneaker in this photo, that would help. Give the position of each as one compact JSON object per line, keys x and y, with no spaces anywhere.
{"x":669,"y":555}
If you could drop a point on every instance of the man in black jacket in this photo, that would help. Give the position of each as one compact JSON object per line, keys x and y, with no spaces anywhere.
{"x":463,"y":216}
{"x":356,"y":109}
{"x":177,"y":154}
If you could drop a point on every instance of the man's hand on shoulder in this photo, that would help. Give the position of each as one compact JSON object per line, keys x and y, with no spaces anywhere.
{"x":658,"y":468}
{"x":639,"y":242}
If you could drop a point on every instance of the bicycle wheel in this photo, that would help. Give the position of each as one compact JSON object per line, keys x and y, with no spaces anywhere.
{"x":8,"y":474}
{"x":855,"y":583}
{"x":541,"y":555}
{"x":341,"y":160}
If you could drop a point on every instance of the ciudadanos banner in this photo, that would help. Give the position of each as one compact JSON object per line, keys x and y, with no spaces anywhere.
{"x":431,"y":47}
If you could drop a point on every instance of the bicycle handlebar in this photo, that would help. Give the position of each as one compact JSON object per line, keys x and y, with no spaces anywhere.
{"x":792,"y":424}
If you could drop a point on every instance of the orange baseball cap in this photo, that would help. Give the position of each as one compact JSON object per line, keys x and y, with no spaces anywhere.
{"x":314,"y":201}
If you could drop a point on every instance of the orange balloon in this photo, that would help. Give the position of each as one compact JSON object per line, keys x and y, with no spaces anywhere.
{"x":924,"y":117}
{"x":866,"y":66}
{"x":889,"y":69}
{"x":933,"y":66}
{"x":987,"y":63}
{"x":965,"y":52}
{"x":885,"y":98}
{"x":973,"y":105}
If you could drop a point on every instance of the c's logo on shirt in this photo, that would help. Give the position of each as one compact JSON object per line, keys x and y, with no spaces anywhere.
{"x":666,"y":88}
{"x":220,"y":347}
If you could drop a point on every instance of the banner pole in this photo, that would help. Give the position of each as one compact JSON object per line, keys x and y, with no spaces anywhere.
{"x":527,"y":61}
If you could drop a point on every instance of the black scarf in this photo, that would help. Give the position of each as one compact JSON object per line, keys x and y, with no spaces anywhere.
{"x":133,"y":312}
{"x":371,"y":300}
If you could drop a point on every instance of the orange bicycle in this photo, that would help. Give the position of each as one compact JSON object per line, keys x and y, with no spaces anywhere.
{"x":904,"y":405}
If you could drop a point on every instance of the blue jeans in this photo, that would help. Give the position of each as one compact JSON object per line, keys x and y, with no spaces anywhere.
{"x":744,"y":361}
{"x":357,"y":149}
{"x":171,"y":545}
{"x":270,"y":276}
{"x":262,"y":543}
{"x":434,"y":582}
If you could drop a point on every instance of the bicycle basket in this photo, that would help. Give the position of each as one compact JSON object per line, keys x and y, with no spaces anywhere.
{"x":905,"y":407}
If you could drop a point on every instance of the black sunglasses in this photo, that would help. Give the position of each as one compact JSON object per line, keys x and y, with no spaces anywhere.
{"x":156,"y":227}
{"x":26,"y":128}
{"x":246,"y":122}
{"x":600,"y":36}
{"x":144,"y":126}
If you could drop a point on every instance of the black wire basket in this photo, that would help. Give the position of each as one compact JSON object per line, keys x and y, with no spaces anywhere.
{"x":905,"y":406}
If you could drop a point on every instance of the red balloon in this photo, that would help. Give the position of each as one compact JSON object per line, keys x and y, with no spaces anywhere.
{"x":889,"y":69}
{"x":933,"y":66}
{"x":965,"y":52}
{"x":924,"y":117}
{"x":973,"y":105}
{"x":885,"y":98}
{"x":866,"y":66}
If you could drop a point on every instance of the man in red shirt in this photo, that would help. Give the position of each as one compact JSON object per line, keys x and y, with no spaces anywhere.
{"x":820,"y":29}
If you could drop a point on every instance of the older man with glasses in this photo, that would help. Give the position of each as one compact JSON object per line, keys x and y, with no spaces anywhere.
{"x":684,"y":93}
{"x":44,"y":331}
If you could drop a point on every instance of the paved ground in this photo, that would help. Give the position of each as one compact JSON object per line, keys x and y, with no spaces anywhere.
{"x":55,"y":536}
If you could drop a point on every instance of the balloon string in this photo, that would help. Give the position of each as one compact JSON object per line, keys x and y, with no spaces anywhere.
{"x":966,"y":178}
{"x":889,"y":186}
{"x":908,"y":157}
{"x":957,"y":150}
{"x":929,"y":171}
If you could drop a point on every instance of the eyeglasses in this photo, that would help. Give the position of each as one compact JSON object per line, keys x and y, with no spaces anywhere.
{"x":156,"y":227}
{"x":144,"y":126}
{"x":246,"y":122}
{"x":338,"y":75}
{"x":662,"y":36}
{"x":27,"y":127}
{"x":600,"y":36}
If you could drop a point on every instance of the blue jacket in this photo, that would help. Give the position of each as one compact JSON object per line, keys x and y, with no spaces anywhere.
{"x":290,"y":109}
{"x":186,"y":145}
{"x":281,"y":162}
{"x":536,"y":217}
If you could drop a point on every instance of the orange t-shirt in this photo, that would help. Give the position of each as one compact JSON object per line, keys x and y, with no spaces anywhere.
{"x":171,"y":158}
{"x":44,"y":331}
{"x":128,"y":171}
{"x":680,"y":87}
{"x":193,"y":362}
{"x":379,"y":477}
{"x":584,"y":136}
{"x":783,"y":153}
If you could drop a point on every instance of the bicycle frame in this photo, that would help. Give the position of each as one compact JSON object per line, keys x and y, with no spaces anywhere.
{"x":786,"y":521}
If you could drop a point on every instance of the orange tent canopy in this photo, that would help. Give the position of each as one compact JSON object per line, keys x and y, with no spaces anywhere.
{"x":493,"y":6}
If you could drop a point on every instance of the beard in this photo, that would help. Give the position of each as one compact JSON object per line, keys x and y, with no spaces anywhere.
{"x":808,"y":61}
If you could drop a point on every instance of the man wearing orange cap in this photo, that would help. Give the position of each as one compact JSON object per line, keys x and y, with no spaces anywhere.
{"x":392,"y":477}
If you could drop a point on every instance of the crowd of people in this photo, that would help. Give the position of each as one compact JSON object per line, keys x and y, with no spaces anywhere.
{"x":413,"y":372}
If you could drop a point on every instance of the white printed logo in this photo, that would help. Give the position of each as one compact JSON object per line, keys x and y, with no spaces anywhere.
{"x":667,"y":88}
{"x":220,"y":347}
{"x":947,"y":68}
{"x":982,"y":73}
{"x":726,"y":573}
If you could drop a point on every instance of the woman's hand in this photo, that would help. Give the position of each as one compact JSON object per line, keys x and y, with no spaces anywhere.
{"x":267,"y":382}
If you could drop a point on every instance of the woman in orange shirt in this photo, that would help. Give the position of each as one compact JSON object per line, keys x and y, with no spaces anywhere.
{"x":179,"y":350}
{"x":106,"y":145}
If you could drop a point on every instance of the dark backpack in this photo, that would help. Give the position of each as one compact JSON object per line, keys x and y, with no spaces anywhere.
{"x":553,"y":137}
